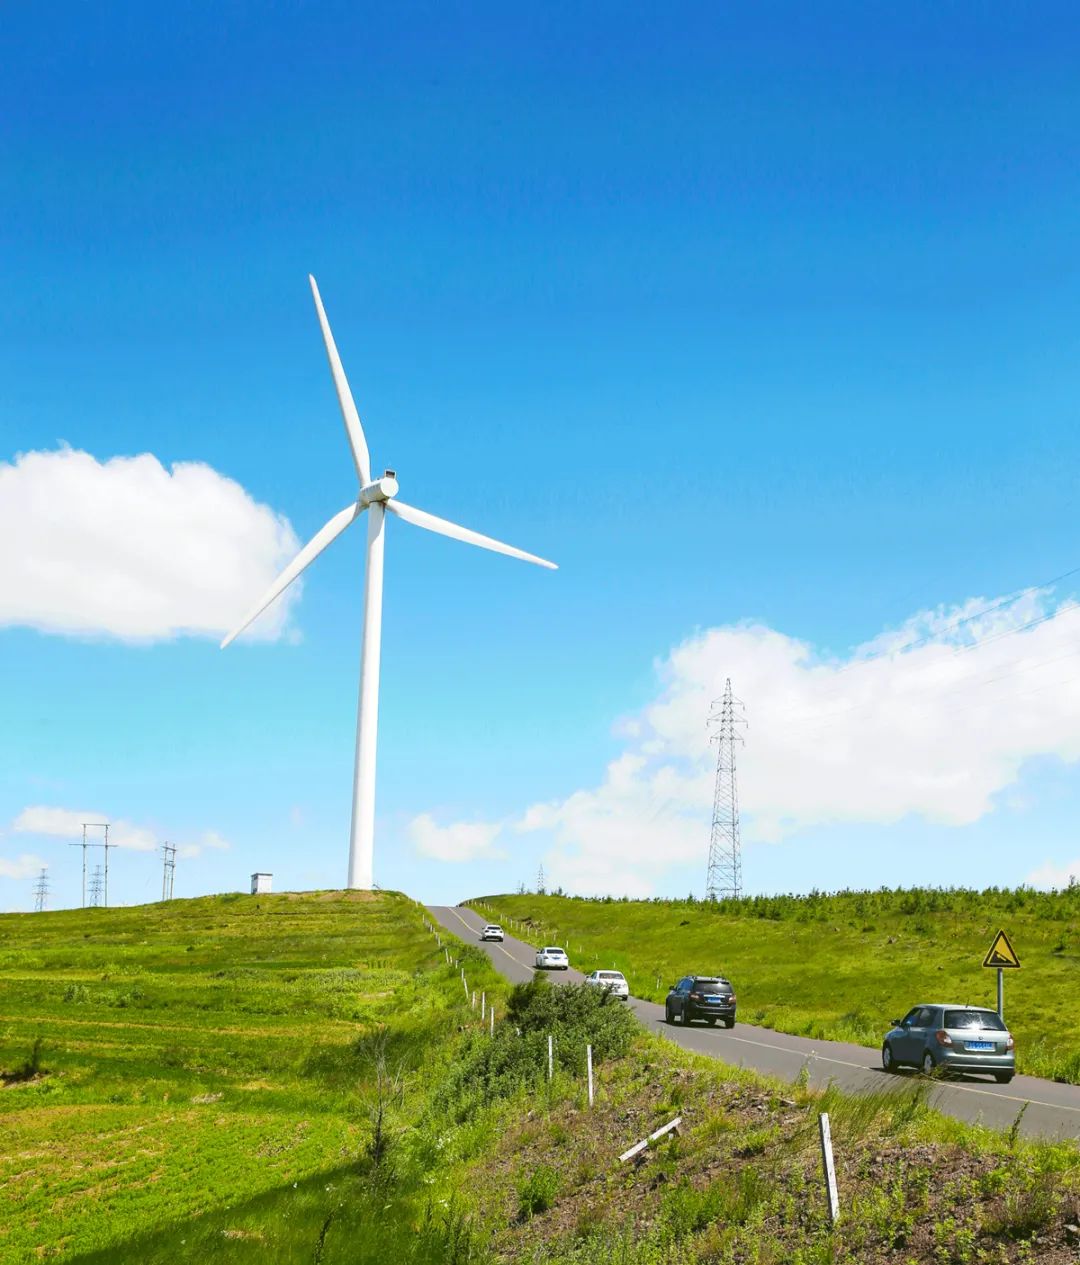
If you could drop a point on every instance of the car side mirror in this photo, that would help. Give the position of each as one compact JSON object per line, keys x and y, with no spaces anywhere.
{"x":897,"y":1023}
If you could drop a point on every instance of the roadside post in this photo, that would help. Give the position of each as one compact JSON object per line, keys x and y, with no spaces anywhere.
{"x":1001,"y":956}
{"x":830,"y":1169}
{"x":483,"y":1006}
{"x":588,"y":1060}
{"x":492,"y":1020}
{"x":551,"y":1056}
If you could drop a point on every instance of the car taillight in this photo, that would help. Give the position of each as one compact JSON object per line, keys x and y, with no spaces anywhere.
{"x":943,"y":1037}
{"x":1010,"y":1044}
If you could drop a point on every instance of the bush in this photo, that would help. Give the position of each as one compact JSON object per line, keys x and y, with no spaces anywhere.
{"x":516,"y":1059}
{"x":536,"y":1193}
{"x":576,"y":1015}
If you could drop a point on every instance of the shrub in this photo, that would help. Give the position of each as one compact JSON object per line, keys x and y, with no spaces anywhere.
{"x":536,"y":1193}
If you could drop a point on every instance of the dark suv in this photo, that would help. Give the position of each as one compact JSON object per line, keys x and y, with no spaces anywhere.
{"x":707,"y":997}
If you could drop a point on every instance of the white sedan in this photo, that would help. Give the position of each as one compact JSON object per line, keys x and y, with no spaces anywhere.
{"x":613,"y":981}
{"x":552,"y":958}
{"x":492,"y":932}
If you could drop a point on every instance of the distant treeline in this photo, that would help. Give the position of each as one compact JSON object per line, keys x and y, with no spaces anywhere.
{"x":1060,"y":905}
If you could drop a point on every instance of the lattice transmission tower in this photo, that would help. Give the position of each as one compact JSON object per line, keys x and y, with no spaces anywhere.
{"x":725,"y":851}
{"x":41,"y":890}
{"x":169,"y":871}
{"x":95,"y":887}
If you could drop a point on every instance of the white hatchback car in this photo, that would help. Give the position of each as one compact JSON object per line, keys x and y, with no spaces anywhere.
{"x":492,"y":932}
{"x":552,"y":958}
{"x":613,"y":981}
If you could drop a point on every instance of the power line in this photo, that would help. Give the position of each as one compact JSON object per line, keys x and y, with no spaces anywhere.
{"x":822,"y":721}
{"x":1002,"y":602}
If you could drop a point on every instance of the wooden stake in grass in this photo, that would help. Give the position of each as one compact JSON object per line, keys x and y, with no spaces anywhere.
{"x":551,"y":1056}
{"x":830,"y":1170}
{"x":588,"y":1061}
{"x":493,"y":1021}
{"x":483,"y":1006}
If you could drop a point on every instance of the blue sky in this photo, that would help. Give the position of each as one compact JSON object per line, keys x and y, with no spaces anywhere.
{"x":758,"y":321}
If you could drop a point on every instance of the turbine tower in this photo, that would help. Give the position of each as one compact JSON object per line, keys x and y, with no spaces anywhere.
{"x":725,"y":849}
{"x":377,"y":497}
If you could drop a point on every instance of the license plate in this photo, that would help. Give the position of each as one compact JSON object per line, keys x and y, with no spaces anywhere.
{"x":979,"y":1045}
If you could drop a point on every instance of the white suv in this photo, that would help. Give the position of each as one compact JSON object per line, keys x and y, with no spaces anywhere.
{"x":613,"y":981}
{"x":552,"y":959}
{"x":492,"y":932}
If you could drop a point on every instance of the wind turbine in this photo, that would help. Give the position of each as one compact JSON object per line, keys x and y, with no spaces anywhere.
{"x":377,"y":496}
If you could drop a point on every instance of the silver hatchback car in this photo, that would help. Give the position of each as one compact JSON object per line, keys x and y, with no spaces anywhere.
{"x":952,"y":1038}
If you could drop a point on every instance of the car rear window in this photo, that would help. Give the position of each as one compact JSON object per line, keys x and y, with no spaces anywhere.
{"x":554,"y":949}
{"x":712,"y":986}
{"x":611,"y":975}
{"x":985,"y":1019}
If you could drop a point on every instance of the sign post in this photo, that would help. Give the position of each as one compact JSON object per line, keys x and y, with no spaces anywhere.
{"x":1001,"y":956}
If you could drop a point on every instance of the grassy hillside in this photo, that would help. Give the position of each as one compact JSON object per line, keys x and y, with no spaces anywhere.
{"x":167,"y":1061}
{"x":301,"y":1079}
{"x":839,"y":966}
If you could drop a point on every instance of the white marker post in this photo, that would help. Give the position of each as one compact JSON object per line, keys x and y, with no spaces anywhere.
{"x":483,"y":1006}
{"x":551,"y":1056}
{"x":588,"y":1060}
{"x":638,"y":1147}
{"x":830,"y":1170}
{"x":472,"y":1003}
{"x":493,"y":1021}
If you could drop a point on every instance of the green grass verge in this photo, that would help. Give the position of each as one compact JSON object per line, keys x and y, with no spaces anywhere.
{"x":838,"y":967}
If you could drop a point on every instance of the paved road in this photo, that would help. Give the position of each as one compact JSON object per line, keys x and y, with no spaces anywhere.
{"x":1053,"y":1110}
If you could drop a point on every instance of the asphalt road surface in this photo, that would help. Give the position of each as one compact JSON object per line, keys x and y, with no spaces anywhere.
{"x":1053,"y":1110}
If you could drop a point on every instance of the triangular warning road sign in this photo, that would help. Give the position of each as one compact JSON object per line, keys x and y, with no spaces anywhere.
{"x":1002,"y":954}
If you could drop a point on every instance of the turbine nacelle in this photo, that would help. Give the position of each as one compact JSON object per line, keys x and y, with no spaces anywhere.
{"x":379,"y":490}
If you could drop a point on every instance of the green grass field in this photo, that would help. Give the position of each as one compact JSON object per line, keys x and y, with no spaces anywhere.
{"x":300,"y":1079}
{"x":839,"y":966}
{"x":199,"y":1056}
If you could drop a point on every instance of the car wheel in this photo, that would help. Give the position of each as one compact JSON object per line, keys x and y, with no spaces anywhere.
{"x":729,"y":1023}
{"x":1003,"y":1078}
{"x":929,"y":1067}
{"x":887,"y":1061}
{"x":668,"y":1016}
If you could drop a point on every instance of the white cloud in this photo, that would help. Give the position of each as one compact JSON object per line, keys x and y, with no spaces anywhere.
{"x":67,"y":823}
{"x":460,"y":841}
{"x":26,"y":865}
{"x":934,"y":719}
{"x":125,"y":548}
{"x":1048,"y":875}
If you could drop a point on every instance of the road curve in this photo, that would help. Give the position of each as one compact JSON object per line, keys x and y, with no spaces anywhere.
{"x":1052,"y":1110}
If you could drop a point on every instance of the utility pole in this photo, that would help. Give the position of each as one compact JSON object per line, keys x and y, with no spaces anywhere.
{"x":540,"y":880}
{"x":41,"y":890}
{"x":87,"y":843}
{"x":725,"y":850}
{"x":95,"y":887}
{"x":169,"y":871}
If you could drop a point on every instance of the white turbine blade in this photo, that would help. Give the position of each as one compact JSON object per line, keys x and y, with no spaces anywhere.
{"x":353,"y":429}
{"x":304,"y":558}
{"x":422,"y":519}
